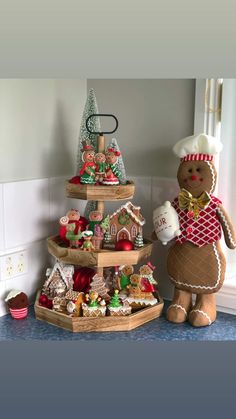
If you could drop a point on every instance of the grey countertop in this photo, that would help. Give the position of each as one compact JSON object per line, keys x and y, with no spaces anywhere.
{"x":159,"y":329}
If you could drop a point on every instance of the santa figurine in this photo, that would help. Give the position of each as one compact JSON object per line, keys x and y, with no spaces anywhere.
{"x":87,"y":172}
{"x":112,"y":174}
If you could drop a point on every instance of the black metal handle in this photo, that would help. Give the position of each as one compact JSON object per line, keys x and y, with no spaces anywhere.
{"x":102,"y":114}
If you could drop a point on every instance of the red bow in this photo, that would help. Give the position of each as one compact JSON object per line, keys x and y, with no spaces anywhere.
{"x":112,"y":150}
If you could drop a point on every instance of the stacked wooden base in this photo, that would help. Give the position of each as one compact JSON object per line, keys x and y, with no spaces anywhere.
{"x":98,"y":324}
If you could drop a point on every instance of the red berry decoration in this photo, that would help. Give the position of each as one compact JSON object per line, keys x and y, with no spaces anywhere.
{"x":124,"y":244}
{"x":75,"y":180}
{"x":43,"y":300}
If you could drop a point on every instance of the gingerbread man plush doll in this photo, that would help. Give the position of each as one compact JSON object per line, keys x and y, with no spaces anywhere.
{"x":196,"y":264}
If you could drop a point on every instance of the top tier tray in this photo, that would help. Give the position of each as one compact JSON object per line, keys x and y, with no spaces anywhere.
{"x":100,"y":192}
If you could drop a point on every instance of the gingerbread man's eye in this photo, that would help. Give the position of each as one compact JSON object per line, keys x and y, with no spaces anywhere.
{"x":190,"y":170}
{"x":198,"y":170}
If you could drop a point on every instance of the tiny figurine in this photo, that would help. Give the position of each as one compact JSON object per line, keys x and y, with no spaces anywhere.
{"x":73,"y":238}
{"x":116,"y":308}
{"x":100,"y":160}
{"x":95,"y":307}
{"x":112,"y":174}
{"x":95,"y":218}
{"x":69,"y":234}
{"x":126,"y":223}
{"x":98,"y":226}
{"x":166,"y":223}
{"x":87,"y":172}
{"x":147,"y":280}
{"x":77,"y":298}
{"x":18,"y":304}
{"x":59,"y":278}
{"x":87,"y":245}
{"x":124,"y":278}
{"x":71,"y":307}
{"x":137,"y":296}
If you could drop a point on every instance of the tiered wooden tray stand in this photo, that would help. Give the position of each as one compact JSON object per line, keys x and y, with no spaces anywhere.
{"x":99,"y":260}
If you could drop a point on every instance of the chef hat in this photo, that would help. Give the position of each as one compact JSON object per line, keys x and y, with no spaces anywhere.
{"x":198,"y":147}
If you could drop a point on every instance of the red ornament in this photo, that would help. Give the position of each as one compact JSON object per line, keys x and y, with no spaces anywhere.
{"x":82,"y":278}
{"x":124,"y":244}
{"x":49,"y":304}
{"x":43,"y":300}
{"x":75,"y":180}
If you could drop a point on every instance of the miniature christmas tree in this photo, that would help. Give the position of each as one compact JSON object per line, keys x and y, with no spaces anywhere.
{"x":98,"y":285}
{"x":90,"y":108}
{"x":138,"y":241}
{"x":107,"y":237}
{"x":115,"y":302}
{"x":105,"y":224}
{"x":120,"y":165}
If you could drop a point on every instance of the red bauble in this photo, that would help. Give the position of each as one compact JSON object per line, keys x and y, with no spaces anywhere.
{"x":82,"y":278}
{"x":49,"y":304}
{"x":43,"y":300}
{"x":124,"y":244}
{"x":75,"y":180}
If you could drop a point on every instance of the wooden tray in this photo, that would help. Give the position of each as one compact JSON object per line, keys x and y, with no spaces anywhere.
{"x":102,"y":324}
{"x":100,"y":192}
{"x":100,"y":258}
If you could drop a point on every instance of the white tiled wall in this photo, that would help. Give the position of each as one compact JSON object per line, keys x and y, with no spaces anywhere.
{"x":29,"y":212}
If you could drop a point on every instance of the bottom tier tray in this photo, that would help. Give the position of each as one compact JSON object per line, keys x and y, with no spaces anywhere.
{"x":102,"y":324}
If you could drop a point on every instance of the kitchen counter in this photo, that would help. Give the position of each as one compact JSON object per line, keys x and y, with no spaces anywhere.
{"x":157,"y":330}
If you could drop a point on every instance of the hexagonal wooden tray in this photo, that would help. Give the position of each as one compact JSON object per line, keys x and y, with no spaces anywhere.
{"x":99,"y":324}
{"x":100,"y":192}
{"x":100,"y":258}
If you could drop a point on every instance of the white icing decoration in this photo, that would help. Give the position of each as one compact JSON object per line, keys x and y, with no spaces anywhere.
{"x":213,"y":177}
{"x":227,"y":227}
{"x":203,"y":313}
{"x":12,"y":294}
{"x":178,"y":306}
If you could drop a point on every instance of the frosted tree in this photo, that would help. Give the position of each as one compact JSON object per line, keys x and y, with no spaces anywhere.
{"x":120,"y":165}
{"x":98,"y":285}
{"x":138,"y":241}
{"x":90,"y":108}
{"x":90,"y":206}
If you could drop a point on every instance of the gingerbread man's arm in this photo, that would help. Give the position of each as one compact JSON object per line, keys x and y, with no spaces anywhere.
{"x":227,"y":226}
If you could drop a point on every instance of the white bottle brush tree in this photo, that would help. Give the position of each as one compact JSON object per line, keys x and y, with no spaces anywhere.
{"x":94,"y":125}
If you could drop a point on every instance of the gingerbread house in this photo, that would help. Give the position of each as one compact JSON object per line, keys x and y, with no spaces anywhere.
{"x":59,"y":280}
{"x":126,"y":223}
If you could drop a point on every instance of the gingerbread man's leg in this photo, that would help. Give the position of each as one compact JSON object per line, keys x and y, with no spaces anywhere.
{"x":204,"y":311}
{"x":180,"y":306}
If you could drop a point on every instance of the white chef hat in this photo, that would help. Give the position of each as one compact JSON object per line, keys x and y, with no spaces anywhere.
{"x":198,"y":147}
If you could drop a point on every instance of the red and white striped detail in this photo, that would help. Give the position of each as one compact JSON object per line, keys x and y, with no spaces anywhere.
{"x":19,"y":313}
{"x":199,"y":156}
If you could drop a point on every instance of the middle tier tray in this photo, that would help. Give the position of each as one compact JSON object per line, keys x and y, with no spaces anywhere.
{"x":100,"y":258}
{"x":100,"y":192}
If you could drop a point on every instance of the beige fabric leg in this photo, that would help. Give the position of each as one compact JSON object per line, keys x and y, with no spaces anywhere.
{"x":204,"y":311}
{"x":180,"y":306}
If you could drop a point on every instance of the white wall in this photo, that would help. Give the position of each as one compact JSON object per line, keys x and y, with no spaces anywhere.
{"x":39,"y":126}
{"x":153,"y":115}
{"x":39,"y":129}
